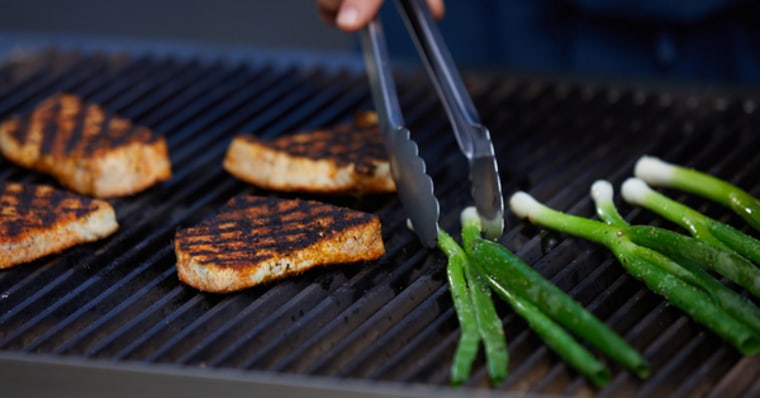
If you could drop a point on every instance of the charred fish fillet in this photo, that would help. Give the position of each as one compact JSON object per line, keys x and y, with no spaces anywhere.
{"x":38,"y":220}
{"x":346,"y":159}
{"x":87,"y":149}
{"x":253,"y":240}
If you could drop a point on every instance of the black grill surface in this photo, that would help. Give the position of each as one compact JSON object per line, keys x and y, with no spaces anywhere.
{"x":118,"y":301}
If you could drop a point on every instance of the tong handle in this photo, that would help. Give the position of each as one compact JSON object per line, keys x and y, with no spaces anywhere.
{"x":378,"y":66}
{"x":473,"y":140}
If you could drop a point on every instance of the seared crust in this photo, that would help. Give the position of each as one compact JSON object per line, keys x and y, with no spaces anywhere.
{"x":38,"y":220}
{"x":345,"y":159}
{"x":88,"y":150}
{"x":255,"y":239}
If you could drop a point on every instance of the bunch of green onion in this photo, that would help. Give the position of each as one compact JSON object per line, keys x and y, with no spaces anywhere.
{"x":675,"y":266}
{"x":483,"y":266}
{"x":679,"y":267}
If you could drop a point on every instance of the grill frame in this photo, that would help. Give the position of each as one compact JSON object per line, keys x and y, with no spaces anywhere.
{"x":417,"y":276}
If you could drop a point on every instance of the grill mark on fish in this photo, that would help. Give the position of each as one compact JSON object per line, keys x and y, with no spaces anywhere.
{"x":120,"y":136}
{"x":89,"y":150}
{"x":345,"y":144}
{"x":81,"y":124}
{"x":39,"y":220}
{"x":12,"y":197}
{"x":49,"y":128}
{"x":340,"y":160}
{"x":269,"y":225}
{"x":74,"y":138}
{"x":18,"y":125}
{"x":37,"y":207}
{"x":93,"y":135}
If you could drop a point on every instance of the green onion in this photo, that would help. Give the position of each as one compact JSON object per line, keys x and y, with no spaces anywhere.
{"x":505,"y":271}
{"x":467,"y":348}
{"x":556,"y":337}
{"x":646,"y":265}
{"x":690,"y":254}
{"x":704,"y":228}
{"x":601,"y":193}
{"x":694,"y":254}
{"x":685,"y":249}
{"x":476,"y":314}
{"x":610,"y":236}
{"x":662,"y":174}
{"x":489,"y":325}
{"x":694,"y":302}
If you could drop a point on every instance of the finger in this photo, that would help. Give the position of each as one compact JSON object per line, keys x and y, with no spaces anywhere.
{"x":436,"y":8}
{"x":355,"y":14}
{"x":328,"y":10}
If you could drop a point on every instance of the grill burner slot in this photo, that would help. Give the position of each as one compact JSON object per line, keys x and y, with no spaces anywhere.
{"x":119,"y":299}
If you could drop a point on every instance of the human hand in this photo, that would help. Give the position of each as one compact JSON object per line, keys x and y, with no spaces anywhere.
{"x":352,"y":15}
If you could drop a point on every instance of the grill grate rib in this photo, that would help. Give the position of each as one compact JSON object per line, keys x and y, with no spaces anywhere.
{"x":120,"y":300}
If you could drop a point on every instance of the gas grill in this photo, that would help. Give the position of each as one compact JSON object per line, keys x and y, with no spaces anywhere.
{"x":111,"y":317}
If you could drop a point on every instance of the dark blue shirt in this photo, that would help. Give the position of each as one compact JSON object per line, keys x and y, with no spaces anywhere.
{"x":715,"y":40}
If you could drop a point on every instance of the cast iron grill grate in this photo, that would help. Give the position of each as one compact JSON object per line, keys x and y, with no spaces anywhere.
{"x":119,"y":299}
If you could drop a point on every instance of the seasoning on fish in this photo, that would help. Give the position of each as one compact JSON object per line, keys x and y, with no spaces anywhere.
{"x":345,"y":159}
{"x":88,"y":150}
{"x":38,"y":220}
{"x":254,"y":239}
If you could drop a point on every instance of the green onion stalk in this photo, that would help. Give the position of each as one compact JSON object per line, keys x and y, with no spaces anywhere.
{"x":704,"y":228}
{"x":476,"y":314}
{"x":469,"y":337}
{"x":690,"y":257}
{"x":548,"y":309}
{"x":659,"y":173}
{"x":653,"y":268}
{"x":557,"y":338}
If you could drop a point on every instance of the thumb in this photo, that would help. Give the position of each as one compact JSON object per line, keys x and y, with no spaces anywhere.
{"x":355,"y":14}
{"x":436,"y":8}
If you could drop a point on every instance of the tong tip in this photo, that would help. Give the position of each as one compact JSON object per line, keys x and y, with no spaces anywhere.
{"x":413,"y":184}
{"x":492,"y":227}
{"x":486,"y":191}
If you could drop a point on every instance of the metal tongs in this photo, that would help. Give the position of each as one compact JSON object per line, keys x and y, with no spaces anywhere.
{"x":413,"y":184}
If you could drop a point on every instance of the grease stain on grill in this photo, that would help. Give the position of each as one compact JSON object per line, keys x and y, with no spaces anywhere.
{"x":326,"y":282}
{"x":549,"y":240}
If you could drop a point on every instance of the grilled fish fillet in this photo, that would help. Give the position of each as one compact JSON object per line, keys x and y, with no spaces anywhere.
{"x":253,"y":240}
{"x":37,"y":220}
{"x":346,"y":159}
{"x":88,"y":150}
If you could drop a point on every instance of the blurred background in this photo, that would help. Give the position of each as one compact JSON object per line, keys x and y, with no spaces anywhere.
{"x":713,"y":40}
{"x":277,"y":24}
